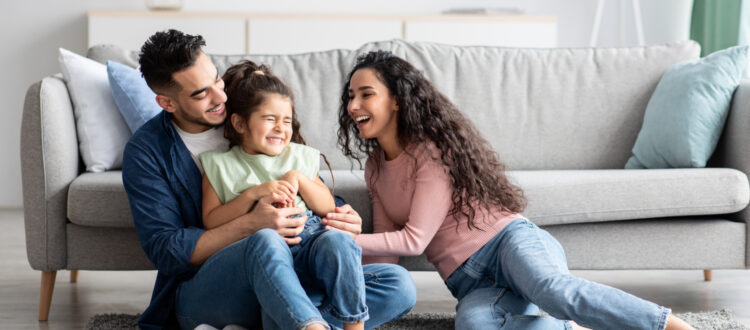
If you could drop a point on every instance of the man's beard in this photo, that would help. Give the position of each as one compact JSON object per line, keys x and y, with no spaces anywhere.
{"x":188,"y":117}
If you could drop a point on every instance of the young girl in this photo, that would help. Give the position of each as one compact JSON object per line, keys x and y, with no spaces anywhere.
{"x":437,"y":187}
{"x":267,"y":156}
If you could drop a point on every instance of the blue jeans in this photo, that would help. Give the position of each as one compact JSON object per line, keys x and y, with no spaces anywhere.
{"x":329,"y":266}
{"x":522,"y":269}
{"x":259,"y":272}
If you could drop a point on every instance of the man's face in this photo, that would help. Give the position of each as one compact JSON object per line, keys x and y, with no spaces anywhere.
{"x":198,"y":102}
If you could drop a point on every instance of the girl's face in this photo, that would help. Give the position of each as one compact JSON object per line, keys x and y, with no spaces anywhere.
{"x":269,"y":128}
{"x":372,"y":106}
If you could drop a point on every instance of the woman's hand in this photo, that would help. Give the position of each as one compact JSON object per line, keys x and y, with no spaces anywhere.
{"x":345,"y":219}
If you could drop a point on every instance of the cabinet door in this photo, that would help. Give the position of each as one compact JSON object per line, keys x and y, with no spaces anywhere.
{"x":510,"y":33}
{"x":294,"y":35}
{"x":223,"y":35}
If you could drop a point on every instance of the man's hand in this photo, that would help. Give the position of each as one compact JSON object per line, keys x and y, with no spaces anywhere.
{"x":345,"y":219}
{"x":264,"y":215}
{"x":279,"y":219}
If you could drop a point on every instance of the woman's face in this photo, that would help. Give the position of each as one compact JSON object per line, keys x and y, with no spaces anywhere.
{"x":372,"y":106}
{"x":269,"y":128}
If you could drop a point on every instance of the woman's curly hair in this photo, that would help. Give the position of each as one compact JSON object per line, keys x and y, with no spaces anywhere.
{"x":426,"y":115}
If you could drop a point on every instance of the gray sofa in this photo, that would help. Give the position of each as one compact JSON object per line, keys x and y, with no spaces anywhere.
{"x":563,"y":120}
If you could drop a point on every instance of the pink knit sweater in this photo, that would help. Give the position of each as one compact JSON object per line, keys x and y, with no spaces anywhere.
{"x":410,"y":203}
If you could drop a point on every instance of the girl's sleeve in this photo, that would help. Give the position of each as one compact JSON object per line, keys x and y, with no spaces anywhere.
{"x":211,"y":170}
{"x":429,"y":208}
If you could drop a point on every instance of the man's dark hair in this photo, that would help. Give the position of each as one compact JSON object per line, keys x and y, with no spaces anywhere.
{"x":165,"y":53}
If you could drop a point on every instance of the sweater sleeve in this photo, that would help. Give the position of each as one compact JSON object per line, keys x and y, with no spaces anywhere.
{"x":430,"y":204}
{"x":380,"y":224}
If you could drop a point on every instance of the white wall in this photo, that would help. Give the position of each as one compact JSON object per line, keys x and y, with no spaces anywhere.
{"x":33,"y":30}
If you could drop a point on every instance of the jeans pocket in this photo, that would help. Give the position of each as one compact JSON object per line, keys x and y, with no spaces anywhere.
{"x":472,"y":268}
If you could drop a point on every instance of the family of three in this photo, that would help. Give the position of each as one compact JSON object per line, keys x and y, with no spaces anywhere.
{"x":229,"y":207}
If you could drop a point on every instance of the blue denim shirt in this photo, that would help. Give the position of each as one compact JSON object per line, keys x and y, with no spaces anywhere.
{"x":164,"y":188}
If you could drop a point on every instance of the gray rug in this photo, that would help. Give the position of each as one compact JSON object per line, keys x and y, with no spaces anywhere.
{"x":716,"y":320}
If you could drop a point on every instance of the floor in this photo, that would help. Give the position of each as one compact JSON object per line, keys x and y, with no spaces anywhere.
{"x":129,"y":292}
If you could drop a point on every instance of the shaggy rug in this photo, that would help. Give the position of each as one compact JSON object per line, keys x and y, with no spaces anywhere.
{"x":716,"y":320}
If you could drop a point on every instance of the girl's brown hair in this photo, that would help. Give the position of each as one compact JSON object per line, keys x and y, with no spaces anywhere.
{"x":247,"y":85}
{"x":425,"y":115}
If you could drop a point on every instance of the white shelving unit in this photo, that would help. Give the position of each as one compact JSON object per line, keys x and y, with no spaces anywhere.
{"x":256,"y":33}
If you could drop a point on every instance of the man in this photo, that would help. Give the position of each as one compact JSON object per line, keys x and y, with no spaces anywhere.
{"x":241,"y":272}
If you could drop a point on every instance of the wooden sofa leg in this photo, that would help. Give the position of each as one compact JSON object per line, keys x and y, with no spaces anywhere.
{"x":73,"y":276}
{"x":45,"y":298}
{"x":707,"y":275}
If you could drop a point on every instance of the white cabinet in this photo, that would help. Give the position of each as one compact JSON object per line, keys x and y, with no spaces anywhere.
{"x":243,"y":33}
{"x":224,"y":35}
{"x":486,"y":33}
{"x":296,"y":35}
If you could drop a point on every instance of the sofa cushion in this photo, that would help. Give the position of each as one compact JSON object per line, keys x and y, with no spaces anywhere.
{"x":135,"y":100}
{"x":107,"y":52}
{"x":102,"y":132}
{"x":99,"y":199}
{"x":611,"y":195}
{"x":686,"y":114}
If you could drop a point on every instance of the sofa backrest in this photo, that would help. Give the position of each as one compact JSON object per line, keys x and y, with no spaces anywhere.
{"x":562,"y":108}
{"x":578,"y":108}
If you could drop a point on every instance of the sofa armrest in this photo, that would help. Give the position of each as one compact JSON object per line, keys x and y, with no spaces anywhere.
{"x":49,"y":162}
{"x":733,"y":150}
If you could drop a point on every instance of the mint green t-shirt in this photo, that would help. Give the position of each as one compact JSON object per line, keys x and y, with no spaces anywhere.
{"x":234,"y":171}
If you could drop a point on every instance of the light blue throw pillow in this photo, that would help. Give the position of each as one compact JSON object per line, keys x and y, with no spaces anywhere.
{"x":686,"y":114}
{"x":136,"y":101}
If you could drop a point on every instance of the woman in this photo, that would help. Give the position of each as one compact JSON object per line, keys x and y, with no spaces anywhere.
{"x":437,"y":187}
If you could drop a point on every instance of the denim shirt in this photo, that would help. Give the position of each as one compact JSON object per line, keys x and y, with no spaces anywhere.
{"x":164,"y":189}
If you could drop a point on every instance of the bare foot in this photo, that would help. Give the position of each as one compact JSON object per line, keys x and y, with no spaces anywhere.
{"x":359,"y":325}
{"x":675,"y":323}
{"x":577,"y":327}
{"x":316,"y":326}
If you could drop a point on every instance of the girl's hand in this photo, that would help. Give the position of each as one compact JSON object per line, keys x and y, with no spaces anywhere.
{"x":293,"y":178}
{"x":345,"y":219}
{"x":279,"y":187}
